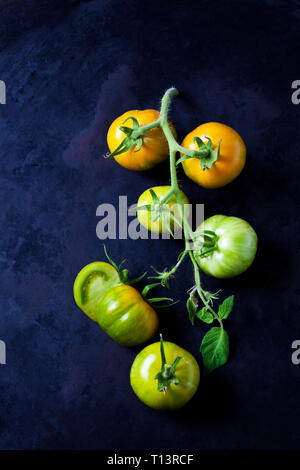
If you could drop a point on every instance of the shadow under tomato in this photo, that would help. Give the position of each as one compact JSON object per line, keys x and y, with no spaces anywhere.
{"x":269,"y":268}
{"x":206,"y":405}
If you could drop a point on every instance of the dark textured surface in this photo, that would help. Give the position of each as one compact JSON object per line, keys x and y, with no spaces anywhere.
{"x":70,"y":69}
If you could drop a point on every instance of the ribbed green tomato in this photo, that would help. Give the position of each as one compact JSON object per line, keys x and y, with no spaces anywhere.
{"x":91,"y":283}
{"x":157,"y":226}
{"x":125,"y":316}
{"x":156,"y":384}
{"x":233,"y":250}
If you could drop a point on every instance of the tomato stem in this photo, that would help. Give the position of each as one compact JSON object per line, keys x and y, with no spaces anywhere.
{"x":208,"y":238}
{"x":166,"y":376}
{"x":143,"y":129}
{"x":202,"y":294}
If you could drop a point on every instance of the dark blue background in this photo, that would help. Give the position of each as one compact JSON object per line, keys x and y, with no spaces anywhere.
{"x":70,"y":69}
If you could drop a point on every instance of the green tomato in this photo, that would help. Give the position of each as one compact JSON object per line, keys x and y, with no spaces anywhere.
{"x":125,"y":316}
{"x":164,"y":376}
{"x":92,"y":282}
{"x":158,"y":226}
{"x":231,"y":251}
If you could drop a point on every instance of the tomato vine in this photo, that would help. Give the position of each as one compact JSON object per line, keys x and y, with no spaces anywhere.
{"x":215,"y":344}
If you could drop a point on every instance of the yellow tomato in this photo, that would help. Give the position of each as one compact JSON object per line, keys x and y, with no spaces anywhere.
{"x":157,"y":226}
{"x":154,"y":148}
{"x":231,"y":160}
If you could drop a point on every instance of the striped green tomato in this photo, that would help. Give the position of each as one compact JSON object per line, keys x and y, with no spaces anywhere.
{"x":126,"y":317}
{"x":233,"y":249}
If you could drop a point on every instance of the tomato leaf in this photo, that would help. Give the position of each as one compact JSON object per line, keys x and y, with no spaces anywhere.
{"x":124,"y":274}
{"x":167,"y":305}
{"x":192,"y":309}
{"x":137,"y":279}
{"x":148,"y":287}
{"x":214,"y":349}
{"x":159,"y":299}
{"x":205,"y":153}
{"x":129,"y":141}
{"x":110,"y":260}
{"x":226,"y":307}
{"x":201,"y":144}
{"x":205,"y":316}
{"x":144,"y":207}
{"x":135,"y":122}
{"x":166,"y":224}
{"x":182,"y":159}
{"x":154,"y":196}
{"x":208,"y":161}
{"x":138,"y":144}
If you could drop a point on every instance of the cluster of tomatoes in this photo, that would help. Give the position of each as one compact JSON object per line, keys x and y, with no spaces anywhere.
{"x":154,"y":150}
{"x":163,"y":375}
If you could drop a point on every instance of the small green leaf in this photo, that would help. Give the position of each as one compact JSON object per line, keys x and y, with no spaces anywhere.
{"x":122,"y":264}
{"x":159,"y":299}
{"x":205,"y":153}
{"x":166,"y":224}
{"x":126,"y":130}
{"x":125,"y":145}
{"x":124,"y":274}
{"x":139,"y":143}
{"x":167,"y":305}
{"x":135,"y":122}
{"x":214,"y":348}
{"x":154,"y":196}
{"x":192,"y":309}
{"x":226,"y":307}
{"x":208,"y":161}
{"x":144,"y":207}
{"x":137,"y":279}
{"x":205,"y":316}
{"x":200,"y":143}
{"x":128,"y":142}
{"x":182,"y":159}
{"x":148,"y":287}
{"x":110,"y":260}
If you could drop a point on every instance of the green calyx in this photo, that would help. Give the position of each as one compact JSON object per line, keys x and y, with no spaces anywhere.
{"x":209,"y":243}
{"x":124,"y":278}
{"x":123,"y":273}
{"x":206,"y":154}
{"x":157,"y":300}
{"x":166,"y":376}
{"x":133,"y":138}
{"x":159,"y":210}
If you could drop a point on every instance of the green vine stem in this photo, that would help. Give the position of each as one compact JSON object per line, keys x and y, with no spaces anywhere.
{"x":174,"y":147}
{"x":214,"y":347}
{"x":166,"y":376}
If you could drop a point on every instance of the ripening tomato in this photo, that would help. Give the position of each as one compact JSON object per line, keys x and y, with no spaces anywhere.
{"x":231,"y":160}
{"x":125,"y":316}
{"x":165,"y":378}
{"x":158,"y":226}
{"x":154,"y":147}
{"x":233,"y":249}
{"x":91,"y":283}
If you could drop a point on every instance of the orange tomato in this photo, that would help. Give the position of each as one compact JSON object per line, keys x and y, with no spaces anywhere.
{"x":231,"y":160}
{"x":154,"y":148}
